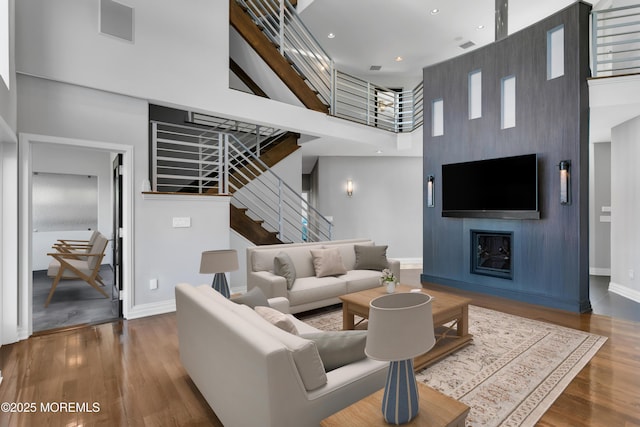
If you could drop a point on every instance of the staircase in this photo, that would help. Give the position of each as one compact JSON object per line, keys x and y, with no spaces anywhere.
{"x":213,"y":160}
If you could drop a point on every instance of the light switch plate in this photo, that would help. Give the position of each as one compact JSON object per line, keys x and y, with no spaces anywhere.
{"x":181,"y":222}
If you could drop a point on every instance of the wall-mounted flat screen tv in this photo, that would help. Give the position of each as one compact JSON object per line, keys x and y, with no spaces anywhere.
{"x":505,"y":188}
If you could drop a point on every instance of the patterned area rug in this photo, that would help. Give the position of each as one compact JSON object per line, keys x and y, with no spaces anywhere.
{"x":512,"y":372}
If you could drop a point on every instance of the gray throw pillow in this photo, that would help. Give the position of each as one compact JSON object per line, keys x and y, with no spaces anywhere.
{"x":339,"y":348}
{"x":371,"y":257}
{"x":283,"y":266}
{"x":254,"y":297}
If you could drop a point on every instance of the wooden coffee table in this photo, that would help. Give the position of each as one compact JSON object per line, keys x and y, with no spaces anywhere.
{"x":436,"y":410}
{"x":450,"y":319}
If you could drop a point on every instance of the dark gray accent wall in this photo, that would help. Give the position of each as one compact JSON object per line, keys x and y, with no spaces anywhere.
{"x":550,"y":255}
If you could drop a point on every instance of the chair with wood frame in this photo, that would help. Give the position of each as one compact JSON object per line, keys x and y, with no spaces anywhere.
{"x":76,"y":246}
{"x":68,"y":266}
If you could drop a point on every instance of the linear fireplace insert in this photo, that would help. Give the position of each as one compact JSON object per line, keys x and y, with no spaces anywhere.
{"x":491,"y":253}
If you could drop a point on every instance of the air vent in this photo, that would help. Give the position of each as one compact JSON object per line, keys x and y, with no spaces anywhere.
{"x":375,"y":68}
{"x":116,"y":20}
{"x":467,"y":45}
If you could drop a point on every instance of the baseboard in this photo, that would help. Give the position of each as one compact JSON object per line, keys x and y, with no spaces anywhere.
{"x":624,"y":291}
{"x":594,"y":271}
{"x":409,"y":262}
{"x":151,"y":309}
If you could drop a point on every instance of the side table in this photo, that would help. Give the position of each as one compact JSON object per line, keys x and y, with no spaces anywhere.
{"x":436,"y":410}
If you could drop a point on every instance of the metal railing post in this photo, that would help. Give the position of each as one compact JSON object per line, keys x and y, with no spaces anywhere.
{"x":280,"y":222}
{"x":281,"y":32}
{"x":594,"y":43}
{"x":154,"y":156}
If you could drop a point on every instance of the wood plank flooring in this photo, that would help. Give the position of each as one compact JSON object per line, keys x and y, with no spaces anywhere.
{"x":132,"y":370}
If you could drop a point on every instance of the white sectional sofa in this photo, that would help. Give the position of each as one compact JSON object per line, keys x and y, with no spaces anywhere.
{"x":252,"y":373}
{"x":308,"y":291}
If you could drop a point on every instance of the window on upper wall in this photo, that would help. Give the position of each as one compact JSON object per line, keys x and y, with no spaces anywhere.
{"x":508,"y":102}
{"x":475,"y":94}
{"x":555,"y":52}
{"x":4,"y":41}
{"x":437,"y":117}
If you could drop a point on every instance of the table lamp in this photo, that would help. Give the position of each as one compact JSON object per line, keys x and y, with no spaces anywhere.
{"x":219,"y":262}
{"x":400,"y":328}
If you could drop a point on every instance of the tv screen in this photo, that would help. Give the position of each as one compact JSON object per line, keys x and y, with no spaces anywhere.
{"x":504,"y":188}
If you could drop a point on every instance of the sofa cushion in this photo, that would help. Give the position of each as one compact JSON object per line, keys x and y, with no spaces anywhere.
{"x":327,"y":262}
{"x":358,"y":280}
{"x":311,"y":289}
{"x":339,"y":348}
{"x":252,"y":298}
{"x":304,"y":352}
{"x":370,"y":257}
{"x":283,"y":266}
{"x":277,"y":318}
{"x":262,"y":260}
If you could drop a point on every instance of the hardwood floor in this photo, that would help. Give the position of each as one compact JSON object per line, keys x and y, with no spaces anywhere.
{"x":132,"y":370}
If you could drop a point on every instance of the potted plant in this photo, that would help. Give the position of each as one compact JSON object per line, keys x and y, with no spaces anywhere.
{"x":389,"y":280}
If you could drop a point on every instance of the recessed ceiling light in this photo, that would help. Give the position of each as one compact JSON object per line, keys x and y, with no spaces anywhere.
{"x":480,"y":27}
{"x":435,"y":11}
{"x":399,"y":58}
{"x":331,"y":35}
{"x":379,"y":152}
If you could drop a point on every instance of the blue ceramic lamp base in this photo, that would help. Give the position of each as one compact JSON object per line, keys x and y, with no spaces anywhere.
{"x":400,"y":400}
{"x":220,"y":284}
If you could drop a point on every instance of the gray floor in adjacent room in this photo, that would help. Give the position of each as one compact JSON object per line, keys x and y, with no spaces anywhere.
{"x":74,"y":302}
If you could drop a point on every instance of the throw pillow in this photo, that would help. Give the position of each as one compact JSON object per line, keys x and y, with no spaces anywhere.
{"x":371,"y":257}
{"x":283,"y":266}
{"x":277,"y":319}
{"x":252,"y":298}
{"x":339,"y":348}
{"x":327,"y":262}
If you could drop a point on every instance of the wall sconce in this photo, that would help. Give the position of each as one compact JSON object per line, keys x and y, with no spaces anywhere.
{"x":349,"y":188}
{"x":430,"y":185}
{"x":565,"y":189}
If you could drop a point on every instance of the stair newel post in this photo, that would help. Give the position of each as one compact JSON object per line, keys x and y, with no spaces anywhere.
{"x":258,"y":140}
{"x":154,"y":155}
{"x":281,"y":32}
{"x":333,"y":80}
{"x":280,"y":222}
{"x":368,"y":103}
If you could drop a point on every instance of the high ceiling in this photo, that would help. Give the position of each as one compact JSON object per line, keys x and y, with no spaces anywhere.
{"x":376,"y":32}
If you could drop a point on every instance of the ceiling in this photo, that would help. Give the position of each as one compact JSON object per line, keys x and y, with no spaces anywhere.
{"x":376,"y":32}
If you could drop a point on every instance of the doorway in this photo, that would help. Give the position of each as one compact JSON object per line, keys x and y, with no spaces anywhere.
{"x":117,"y":275}
{"x":74,"y":195}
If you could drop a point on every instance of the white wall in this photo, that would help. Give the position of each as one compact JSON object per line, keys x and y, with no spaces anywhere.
{"x":62,"y":110}
{"x":386,"y":204}
{"x":625,"y":209}
{"x":599,"y":209}
{"x":8,"y":98}
{"x":76,"y":161}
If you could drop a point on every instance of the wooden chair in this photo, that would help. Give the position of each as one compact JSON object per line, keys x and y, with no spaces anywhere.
{"x":69,"y":266}
{"x":76,"y":246}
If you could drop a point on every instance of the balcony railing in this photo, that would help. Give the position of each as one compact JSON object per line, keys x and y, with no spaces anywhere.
{"x":347,"y":96}
{"x":616,"y":41}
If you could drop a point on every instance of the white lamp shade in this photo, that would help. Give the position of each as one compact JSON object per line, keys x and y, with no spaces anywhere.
{"x":400,"y":326}
{"x":220,"y":261}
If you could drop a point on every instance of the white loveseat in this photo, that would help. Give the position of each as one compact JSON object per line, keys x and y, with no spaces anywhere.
{"x":309,"y":291}
{"x":253,"y":375}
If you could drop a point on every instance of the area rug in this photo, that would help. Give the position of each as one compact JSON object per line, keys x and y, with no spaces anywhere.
{"x":511,"y":373}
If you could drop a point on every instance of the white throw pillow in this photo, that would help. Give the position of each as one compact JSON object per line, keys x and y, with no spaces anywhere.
{"x":277,"y":318}
{"x":327,"y":262}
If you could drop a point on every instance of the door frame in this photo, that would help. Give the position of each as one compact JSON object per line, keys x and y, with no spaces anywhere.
{"x":25,"y":292}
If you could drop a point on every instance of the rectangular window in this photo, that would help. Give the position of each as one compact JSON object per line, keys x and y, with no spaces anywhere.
{"x":4,"y":41}
{"x":437,"y":118}
{"x":555,"y":52}
{"x":508,"y":98}
{"x":475,"y":94}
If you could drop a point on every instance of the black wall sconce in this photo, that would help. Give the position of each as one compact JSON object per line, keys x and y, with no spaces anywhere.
{"x":565,"y":188}
{"x":430,"y":191}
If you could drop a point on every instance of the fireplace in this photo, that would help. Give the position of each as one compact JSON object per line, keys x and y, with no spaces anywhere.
{"x":491,"y":253}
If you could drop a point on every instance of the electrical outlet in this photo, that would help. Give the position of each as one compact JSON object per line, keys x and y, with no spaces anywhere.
{"x":181,"y":222}
{"x":153,"y":284}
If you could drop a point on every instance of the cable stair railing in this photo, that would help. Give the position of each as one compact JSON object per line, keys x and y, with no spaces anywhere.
{"x":615,"y":41}
{"x":206,"y":161}
{"x":347,"y":96}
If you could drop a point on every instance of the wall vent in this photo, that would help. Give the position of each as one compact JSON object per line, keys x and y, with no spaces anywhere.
{"x":116,"y":19}
{"x":467,"y":45}
{"x":375,"y":68}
